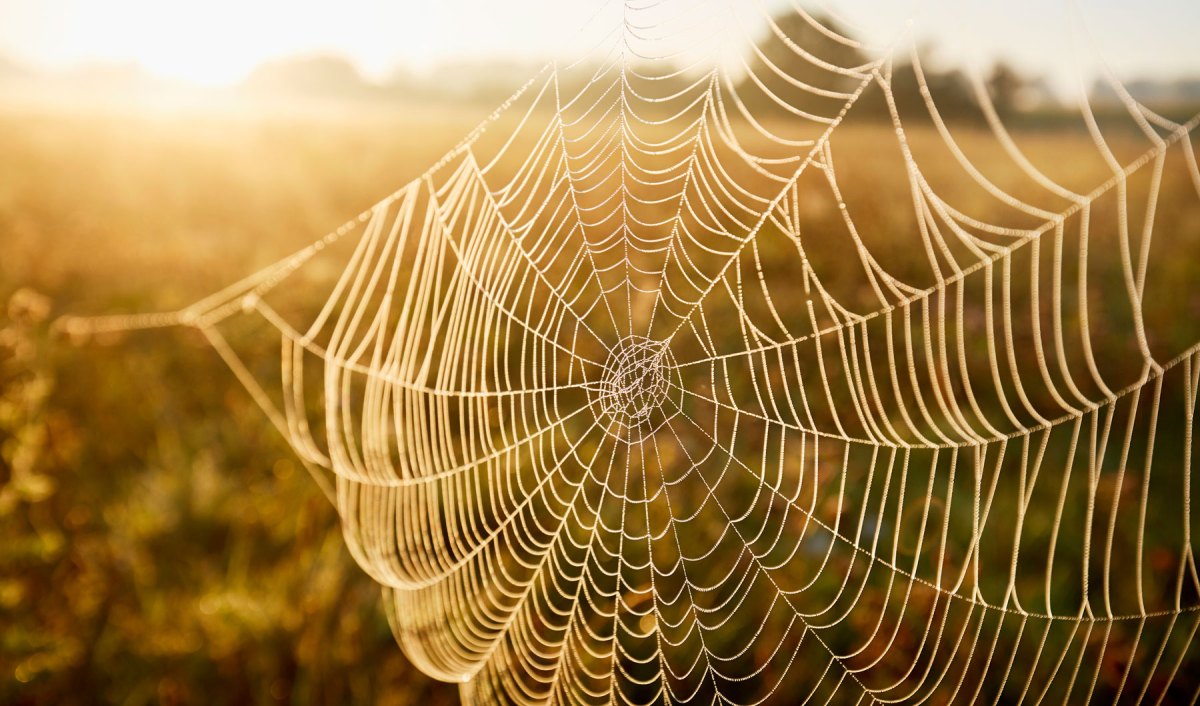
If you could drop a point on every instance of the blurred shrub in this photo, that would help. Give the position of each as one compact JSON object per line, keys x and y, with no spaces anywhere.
{"x":148,"y":562}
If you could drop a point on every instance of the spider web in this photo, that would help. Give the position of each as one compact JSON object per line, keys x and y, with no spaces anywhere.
{"x":633,"y":397}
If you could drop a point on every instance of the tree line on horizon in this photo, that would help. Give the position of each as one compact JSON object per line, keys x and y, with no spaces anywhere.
{"x":332,"y":77}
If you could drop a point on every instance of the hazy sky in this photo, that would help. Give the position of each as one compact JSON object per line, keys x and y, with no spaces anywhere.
{"x":220,"y":41}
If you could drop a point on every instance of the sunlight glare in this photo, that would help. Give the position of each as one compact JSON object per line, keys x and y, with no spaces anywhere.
{"x":220,"y":42}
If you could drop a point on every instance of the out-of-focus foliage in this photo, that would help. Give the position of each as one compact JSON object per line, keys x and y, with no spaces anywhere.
{"x":159,"y":541}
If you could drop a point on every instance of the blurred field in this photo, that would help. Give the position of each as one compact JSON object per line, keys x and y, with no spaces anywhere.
{"x":158,"y":537}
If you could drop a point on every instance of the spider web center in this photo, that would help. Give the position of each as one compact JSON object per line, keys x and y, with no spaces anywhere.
{"x":636,"y":382}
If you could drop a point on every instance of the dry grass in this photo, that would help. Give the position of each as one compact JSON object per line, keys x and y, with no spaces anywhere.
{"x":157,"y":536}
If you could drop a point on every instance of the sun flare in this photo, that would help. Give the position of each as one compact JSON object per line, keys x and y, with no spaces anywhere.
{"x":218,"y":42}
{"x":200,"y":44}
